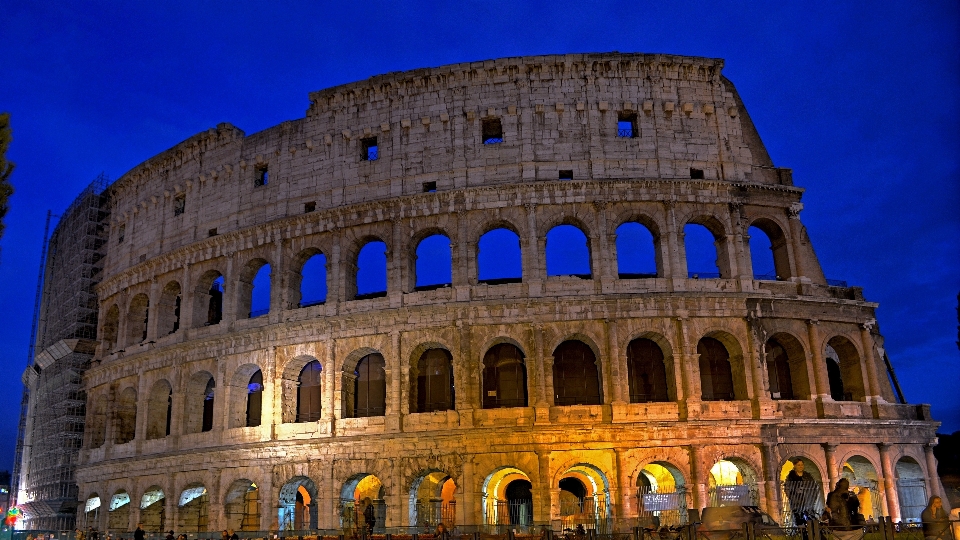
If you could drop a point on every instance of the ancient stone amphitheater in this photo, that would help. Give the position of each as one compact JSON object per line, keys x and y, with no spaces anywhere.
{"x":361,"y":308}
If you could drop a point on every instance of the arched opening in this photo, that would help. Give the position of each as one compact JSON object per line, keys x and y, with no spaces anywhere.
{"x":241,"y":506}
{"x":253,"y":290}
{"x":704,"y":247}
{"x":297,"y":510}
{"x":208,"y":305}
{"x":801,"y":491}
{"x":662,"y":495}
{"x":159,"y":408}
{"x":865,"y":483}
{"x":96,"y":425}
{"x":584,"y":500}
{"x":568,"y":252}
{"x":508,"y":499}
{"x":126,"y":416}
{"x":313,"y":281}
{"x":309,"y":399}
{"x":366,"y":388}
{"x":111,"y":325}
{"x":786,"y":368}
{"x":716,"y":374}
{"x":153,"y":513}
{"x":372,"y":270}
{"x":504,"y":377}
{"x":245,"y":393}
{"x":732,"y":483}
{"x":118,"y":518}
{"x":911,"y":489}
{"x":433,"y":267}
{"x":168,"y":310}
{"x":254,"y":399}
{"x":91,"y":511}
{"x":137,"y":319}
{"x":431,"y":382}
{"x":432,"y":501}
{"x":499,"y":258}
{"x":198,"y":405}
{"x":843,"y":370}
{"x":362,"y":504}
{"x":194,"y":508}
{"x":646,"y":372}
{"x":637,"y":254}
{"x":576,"y":375}
{"x":768,"y":251}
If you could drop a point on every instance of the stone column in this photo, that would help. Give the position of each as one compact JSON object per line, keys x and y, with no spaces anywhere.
{"x":467,"y":509}
{"x":153,"y":310}
{"x":270,"y":415}
{"x":231,"y":298}
{"x":544,"y":494}
{"x":675,"y":257}
{"x":796,"y":231}
{"x":889,"y":482}
{"x":602,"y":265}
{"x":279,"y":281}
{"x":870,"y":360}
{"x":819,"y":365}
{"x":689,"y":371}
{"x":771,"y":479}
{"x":619,"y":376}
{"x":188,"y":299}
{"x":534,"y":267}
{"x":698,"y":478}
{"x":933,"y":479}
{"x":833,"y":470}
{"x":395,"y":369}
{"x":329,"y":411}
{"x":268,"y":502}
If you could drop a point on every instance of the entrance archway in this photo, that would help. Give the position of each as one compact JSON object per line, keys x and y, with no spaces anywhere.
{"x":508,"y":499}
{"x":732,"y":482}
{"x":360,"y":492}
{"x":584,"y":498}
{"x":194,"y":508}
{"x":91,"y":511}
{"x":911,"y":489}
{"x":119,"y":519}
{"x":153,"y":513}
{"x":297,"y":510}
{"x":801,"y":491}
{"x":662,"y":495}
{"x":241,"y":506}
{"x":865,"y":483}
{"x":432,"y":501}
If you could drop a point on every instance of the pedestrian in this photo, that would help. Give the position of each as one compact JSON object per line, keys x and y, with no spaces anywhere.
{"x":935,"y":522}
{"x":169,"y":536}
{"x":441,"y":533}
{"x":801,"y":489}
{"x":369,"y":515}
{"x":139,"y":534}
{"x":843,"y":506}
{"x":232,"y":535}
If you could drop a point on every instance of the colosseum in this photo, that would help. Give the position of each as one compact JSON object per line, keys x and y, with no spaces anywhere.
{"x":467,"y":294}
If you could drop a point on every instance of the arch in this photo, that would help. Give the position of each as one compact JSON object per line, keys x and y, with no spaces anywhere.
{"x":198,"y":403}
{"x":646,"y":372}
{"x":716,"y":373}
{"x":309,"y":283}
{"x":662,"y":494}
{"x":865,"y":483}
{"x":731,"y":482}
{"x":125,"y":416}
{"x":432,"y":500}
{"x":704,"y":245}
{"x":138,"y":319}
{"x":371,"y":264}
{"x":584,"y":498}
{"x":111,"y":326}
{"x":193,"y":508}
{"x":246,"y":396}
{"x":766,"y":234}
{"x":289,"y":386}
{"x":911,"y":488}
{"x":91,"y":511}
{"x":499,"y":257}
{"x":159,"y":409}
{"x":504,"y":379}
{"x":365,"y":389}
{"x":253,"y":289}
{"x":309,"y":392}
{"x":119,"y":511}
{"x":638,"y":251}
{"x":508,"y":498}
{"x":153,"y":513}
{"x":786,"y":365}
{"x":241,"y":506}
{"x":96,"y":424}
{"x":433,"y":263}
{"x":168,"y":309}
{"x":298,"y":504}
{"x":431,"y":382}
{"x":208,"y":299}
{"x":801,"y":490}
{"x":362,"y":503}
{"x":568,"y":252}
{"x":844,"y":375}
{"x":576,"y":374}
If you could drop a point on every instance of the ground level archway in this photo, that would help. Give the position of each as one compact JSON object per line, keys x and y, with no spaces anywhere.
{"x":508,"y":499}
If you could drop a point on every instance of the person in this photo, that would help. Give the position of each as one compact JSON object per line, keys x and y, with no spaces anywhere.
{"x":842,"y":505}
{"x":934,"y":519}
{"x":139,"y":534}
{"x":169,"y":536}
{"x":232,"y":535}
{"x":441,"y":533}
{"x":224,"y":535}
{"x":801,"y":488}
{"x":369,"y":515}
{"x":78,"y":534}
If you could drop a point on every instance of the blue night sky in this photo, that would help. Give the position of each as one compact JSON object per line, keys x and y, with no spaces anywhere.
{"x":859,"y":99}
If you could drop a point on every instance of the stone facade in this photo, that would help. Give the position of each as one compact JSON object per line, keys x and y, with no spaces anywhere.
{"x":223,"y":204}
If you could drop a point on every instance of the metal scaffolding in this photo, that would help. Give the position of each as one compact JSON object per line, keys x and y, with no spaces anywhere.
{"x":66,"y":331}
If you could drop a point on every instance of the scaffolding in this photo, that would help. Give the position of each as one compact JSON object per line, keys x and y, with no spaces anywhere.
{"x":65,"y":343}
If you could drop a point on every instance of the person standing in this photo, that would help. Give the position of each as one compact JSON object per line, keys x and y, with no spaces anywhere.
{"x":801,"y":488}
{"x":139,"y":534}
{"x":935,"y":521}
{"x":369,"y":515}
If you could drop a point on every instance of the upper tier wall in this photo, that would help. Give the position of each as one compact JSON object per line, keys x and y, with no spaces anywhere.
{"x":557,"y":113}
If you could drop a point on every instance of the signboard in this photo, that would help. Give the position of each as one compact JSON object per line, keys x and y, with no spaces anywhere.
{"x":733,"y":496}
{"x":658,"y":502}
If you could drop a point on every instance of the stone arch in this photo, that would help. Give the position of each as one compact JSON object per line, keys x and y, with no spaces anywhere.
{"x":625,"y":259}
{"x":110,"y":328}
{"x":246,"y":400}
{"x":431,"y":378}
{"x":430,"y":259}
{"x":169,"y":309}
{"x":713,"y":378}
{"x":733,"y":480}
{"x":801,"y":489}
{"x":137,"y":319}
{"x":308,"y":281}
{"x":250,"y":279}
{"x":153,"y":513}
{"x":432,"y":499}
{"x":208,"y":299}
{"x":508,"y":498}
{"x":575,"y":381}
{"x":289,"y":384}
{"x":500,"y":262}
{"x":648,"y":378}
{"x":778,"y":246}
{"x":584,"y":496}
{"x":159,"y":409}
{"x":125,"y":416}
{"x":720,"y":248}
{"x":785,"y":361}
{"x":241,"y":506}
{"x":364,"y":385}
{"x":861,"y":472}
{"x":565,"y":256}
{"x":846,"y":355}
{"x":198,"y":403}
{"x":661,"y":492}
{"x":297,"y":508}
{"x":363,"y":277}
{"x":91,"y":510}
{"x":193,"y":508}
{"x":911,"y":488}
{"x":360,"y":491}
{"x":119,"y":511}
{"x":503,"y":379}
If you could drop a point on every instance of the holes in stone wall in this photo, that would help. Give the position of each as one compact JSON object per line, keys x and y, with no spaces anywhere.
{"x":637,"y":255}
{"x":431,"y":379}
{"x":701,"y":251}
{"x":499,"y":259}
{"x":372,"y":270}
{"x":492,"y":131}
{"x":576,"y":375}
{"x":433,"y":266}
{"x":567,"y":252}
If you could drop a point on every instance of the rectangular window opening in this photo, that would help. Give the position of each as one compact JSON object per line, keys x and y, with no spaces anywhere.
{"x":212,"y":232}
{"x":492,"y":131}
{"x":309,"y":207}
{"x":696,"y":174}
{"x":566,"y":175}
{"x":370,"y":149}
{"x":627,"y":125}
{"x":262,"y":178}
{"x":429,"y":187}
{"x":179,"y":204}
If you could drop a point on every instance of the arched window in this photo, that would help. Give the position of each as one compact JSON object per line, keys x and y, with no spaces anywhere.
{"x":159,"y":408}
{"x":369,"y":387}
{"x":432,"y":382}
{"x":504,"y":377}
{"x":111,"y":324}
{"x":208,"y":405}
{"x":778,"y":370}
{"x":843,"y":370}
{"x":137,"y":319}
{"x":646,"y":372}
{"x":636,"y":252}
{"x":168,"y":310}
{"x":836,"y":380}
{"x":568,"y":252}
{"x":372,"y":270}
{"x":254,"y":399}
{"x":701,"y":250}
{"x":716,"y":376}
{"x":499,"y":259}
{"x":768,"y":251}
{"x":313,"y":283}
{"x":198,"y":403}
{"x":434,"y":265}
{"x":260,"y":295}
{"x":126,"y":415}
{"x":309,"y":404}
{"x":214,"y":305}
{"x":576,"y":375}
